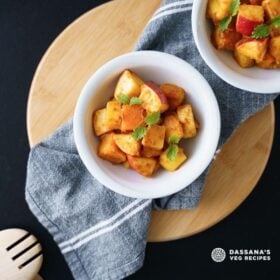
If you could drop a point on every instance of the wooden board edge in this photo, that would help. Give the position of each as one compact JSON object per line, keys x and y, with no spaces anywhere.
{"x":272,"y":111}
{"x":44,"y":57}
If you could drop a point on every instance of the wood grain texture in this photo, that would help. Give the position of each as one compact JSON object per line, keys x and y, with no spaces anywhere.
{"x":232,"y":177}
{"x":89,"y":42}
{"x":97,"y":37}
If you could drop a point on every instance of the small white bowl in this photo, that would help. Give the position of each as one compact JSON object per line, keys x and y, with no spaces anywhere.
{"x":223,"y":64}
{"x":160,"y":68}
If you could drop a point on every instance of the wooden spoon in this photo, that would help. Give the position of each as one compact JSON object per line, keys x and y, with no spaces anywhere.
{"x":20,"y":255}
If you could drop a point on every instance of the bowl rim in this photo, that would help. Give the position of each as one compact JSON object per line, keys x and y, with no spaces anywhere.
{"x":82,"y":145}
{"x":234,"y":79}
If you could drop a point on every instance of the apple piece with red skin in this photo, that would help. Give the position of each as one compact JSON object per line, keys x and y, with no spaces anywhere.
{"x":245,"y":26}
{"x":249,"y":16}
{"x":158,"y":91}
{"x":153,"y":98}
{"x":271,"y":8}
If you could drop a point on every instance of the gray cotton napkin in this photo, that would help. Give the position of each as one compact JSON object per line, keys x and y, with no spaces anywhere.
{"x":101,"y":234}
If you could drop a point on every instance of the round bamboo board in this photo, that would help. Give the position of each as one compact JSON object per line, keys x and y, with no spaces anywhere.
{"x":98,"y":36}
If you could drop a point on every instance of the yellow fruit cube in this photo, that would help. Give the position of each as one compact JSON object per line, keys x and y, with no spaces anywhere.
{"x":128,"y":144}
{"x":175,"y":95}
{"x":144,"y":166}
{"x":108,"y":149}
{"x":154,"y":137}
{"x":186,"y":117}
{"x":243,"y":60}
{"x":252,"y":48}
{"x":218,"y":9}
{"x":132,"y":117}
{"x":172,"y":165}
{"x":113,"y":115}
{"x":271,"y":8}
{"x":100,"y":122}
{"x":129,"y":84}
{"x":173,"y":127}
{"x":154,"y":100}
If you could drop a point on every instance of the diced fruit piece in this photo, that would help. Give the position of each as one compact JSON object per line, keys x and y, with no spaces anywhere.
{"x":274,"y":48}
{"x":129,"y":84}
{"x":154,"y":100}
{"x":108,"y":149}
{"x":243,"y":60}
{"x":154,"y":137}
{"x":100,"y":122}
{"x":218,"y":9}
{"x":150,"y":152}
{"x":132,"y":117}
{"x":175,"y":95}
{"x":172,"y":127}
{"x":248,"y":17}
{"x":189,"y":130}
{"x":268,"y":62}
{"x":127,"y":144}
{"x":271,"y":8}
{"x":252,"y":48}
{"x":172,"y":165}
{"x":142,"y":165}
{"x":184,"y":112}
{"x":113,"y":115}
{"x":186,"y":117}
{"x":225,"y":39}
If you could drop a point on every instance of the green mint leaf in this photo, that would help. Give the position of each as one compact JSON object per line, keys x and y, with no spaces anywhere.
{"x":233,"y":10}
{"x":139,"y":132}
{"x":276,"y":22}
{"x":234,"y":6}
{"x":174,"y":139}
{"x":135,"y":101}
{"x":153,"y":118}
{"x":261,"y":31}
{"x":123,"y":99}
{"x":172,"y":152}
{"x":224,"y":23}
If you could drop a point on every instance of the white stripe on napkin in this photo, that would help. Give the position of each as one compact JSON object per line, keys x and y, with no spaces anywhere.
{"x":106,"y":229}
{"x":170,"y":12}
{"x":100,"y":224}
{"x":171,"y":5}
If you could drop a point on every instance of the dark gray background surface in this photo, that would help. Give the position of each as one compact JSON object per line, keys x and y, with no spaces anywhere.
{"x":26,"y":30}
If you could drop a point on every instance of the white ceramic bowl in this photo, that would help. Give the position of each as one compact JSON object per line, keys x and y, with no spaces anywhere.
{"x":223,"y":64}
{"x":158,"y":67}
